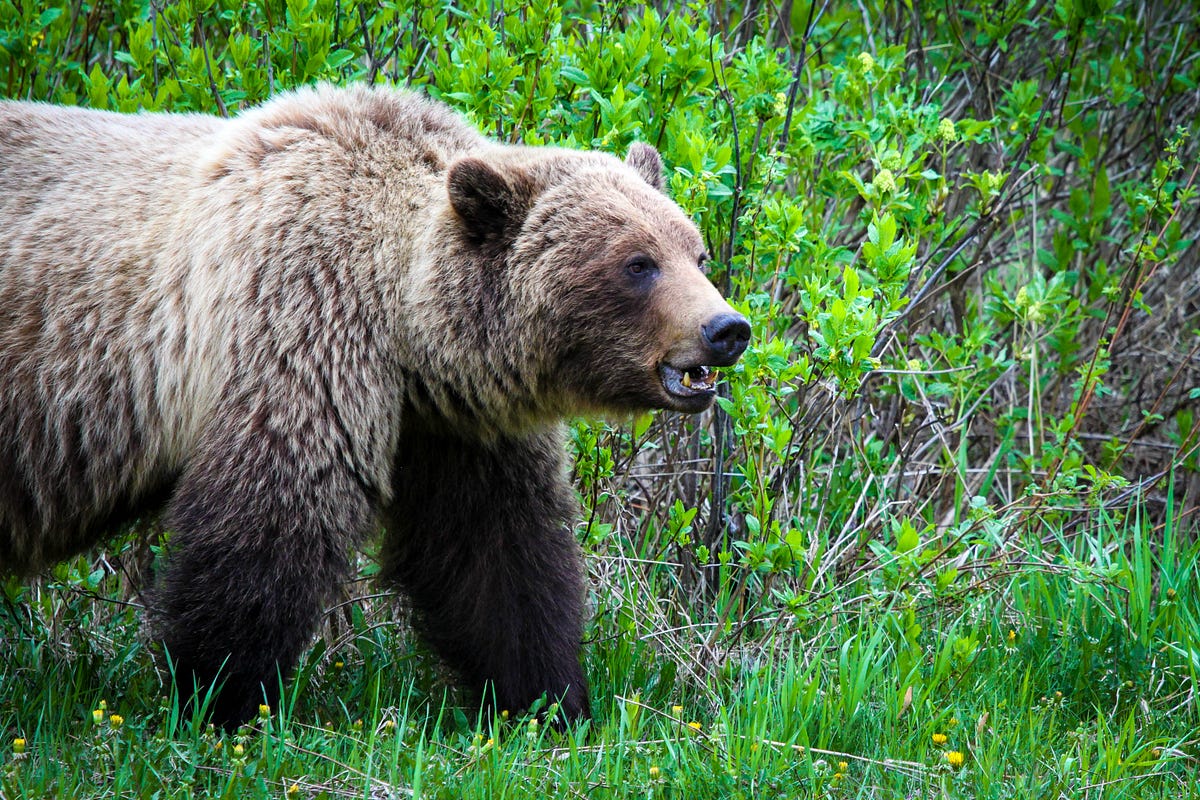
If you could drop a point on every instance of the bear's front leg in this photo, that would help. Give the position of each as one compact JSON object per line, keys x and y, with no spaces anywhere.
{"x":262,"y":523}
{"x":479,"y":537}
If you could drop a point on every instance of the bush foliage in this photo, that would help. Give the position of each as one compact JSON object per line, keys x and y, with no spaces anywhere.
{"x":965,"y":237}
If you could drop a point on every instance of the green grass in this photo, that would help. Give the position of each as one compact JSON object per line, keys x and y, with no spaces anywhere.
{"x":1068,"y":671}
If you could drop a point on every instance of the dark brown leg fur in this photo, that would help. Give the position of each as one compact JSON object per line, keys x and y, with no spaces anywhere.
{"x":262,"y":521}
{"x":479,"y":538}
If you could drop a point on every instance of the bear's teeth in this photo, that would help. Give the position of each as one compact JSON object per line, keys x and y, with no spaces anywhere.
{"x":687,"y":380}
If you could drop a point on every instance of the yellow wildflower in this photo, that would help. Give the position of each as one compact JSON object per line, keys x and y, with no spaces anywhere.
{"x":18,"y":746}
{"x":293,"y":790}
{"x":695,"y":725}
{"x":884,"y":181}
{"x":98,"y":716}
{"x":116,"y":720}
{"x":866,"y":61}
{"x":264,"y":711}
{"x":940,"y":738}
{"x":946,"y":131}
{"x":655,"y":772}
{"x":955,"y":759}
{"x":238,"y":751}
{"x":677,"y":710}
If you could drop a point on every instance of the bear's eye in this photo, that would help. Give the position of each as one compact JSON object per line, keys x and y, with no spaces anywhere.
{"x":641,"y":267}
{"x":702,"y":260}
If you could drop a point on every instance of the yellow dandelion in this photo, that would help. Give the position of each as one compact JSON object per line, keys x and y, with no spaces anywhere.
{"x":955,"y":759}
{"x":655,"y":773}
{"x":218,"y":744}
{"x":116,"y":720}
{"x":389,"y":726}
{"x":18,"y":746}
{"x":358,"y":724}
{"x":264,"y":711}
{"x":238,"y":751}
{"x":677,"y":710}
{"x":98,"y":716}
{"x":103,"y":705}
{"x":504,"y":714}
{"x":940,"y":738}
{"x":953,"y":721}
{"x":293,"y":790}
{"x":837,"y":776}
{"x":1012,"y":637}
{"x":843,"y":766}
{"x":695,"y":725}
{"x":1170,"y":594}
{"x":339,"y":665}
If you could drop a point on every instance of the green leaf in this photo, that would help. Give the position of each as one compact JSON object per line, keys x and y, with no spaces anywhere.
{"x":577,"y":76}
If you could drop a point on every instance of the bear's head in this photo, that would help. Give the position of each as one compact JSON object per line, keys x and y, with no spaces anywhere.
{"x":601,"y":278}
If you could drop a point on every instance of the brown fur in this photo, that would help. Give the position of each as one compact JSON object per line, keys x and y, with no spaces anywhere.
{"x":343,"y":306}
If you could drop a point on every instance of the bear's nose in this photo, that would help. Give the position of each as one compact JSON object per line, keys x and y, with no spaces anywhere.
{"x":727,"y":335}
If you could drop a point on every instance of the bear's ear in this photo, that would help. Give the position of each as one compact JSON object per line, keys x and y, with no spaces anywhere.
{"x":648,"y":163}
{"x":488,"y":203}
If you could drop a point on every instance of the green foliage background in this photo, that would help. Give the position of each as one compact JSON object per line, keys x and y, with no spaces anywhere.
{"x":950,"y":488}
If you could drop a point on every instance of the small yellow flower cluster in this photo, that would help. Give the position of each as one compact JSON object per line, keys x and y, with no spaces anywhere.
{"x":866,"y":61}
{"x":696,"y":726}
{"x":955,"y":759}
{"x":884,"y":181}
{"x":116,"y":720}
{"x":655,"y":773}
{"x":293,"y":790}
{"x":946,"y":132}
{"x":940,"y":738}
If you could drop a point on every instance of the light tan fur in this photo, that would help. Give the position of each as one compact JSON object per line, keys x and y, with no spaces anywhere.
{"x":253,"y":316}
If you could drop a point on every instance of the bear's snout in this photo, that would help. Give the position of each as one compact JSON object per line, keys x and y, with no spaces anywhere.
{"x":727,"y":336}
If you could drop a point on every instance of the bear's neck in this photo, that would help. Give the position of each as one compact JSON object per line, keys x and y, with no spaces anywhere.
{"x":469,"y":357}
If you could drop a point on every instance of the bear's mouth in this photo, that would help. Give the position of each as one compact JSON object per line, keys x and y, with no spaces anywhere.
{"x":688,"y":383}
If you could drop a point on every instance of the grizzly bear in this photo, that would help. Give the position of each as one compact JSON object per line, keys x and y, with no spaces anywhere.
{"x":342,"y":312}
